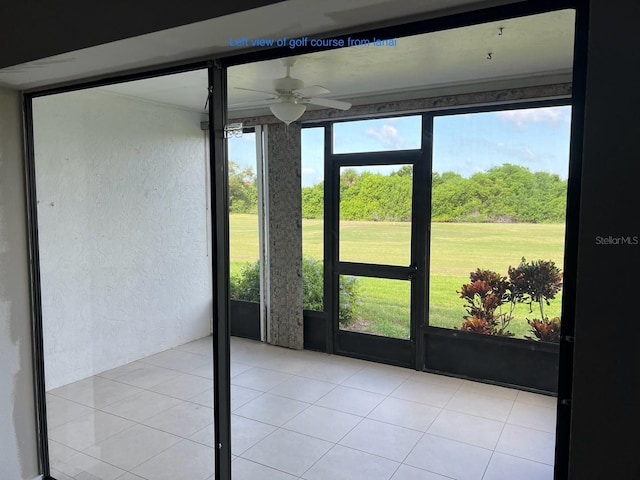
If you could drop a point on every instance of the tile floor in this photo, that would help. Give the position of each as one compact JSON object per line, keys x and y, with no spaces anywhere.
{"x":296,"y":415}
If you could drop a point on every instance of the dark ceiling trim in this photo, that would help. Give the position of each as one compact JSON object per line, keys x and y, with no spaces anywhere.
{"x":63,"y":27}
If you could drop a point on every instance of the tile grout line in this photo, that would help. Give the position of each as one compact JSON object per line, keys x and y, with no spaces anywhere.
{"x":498,"y":440}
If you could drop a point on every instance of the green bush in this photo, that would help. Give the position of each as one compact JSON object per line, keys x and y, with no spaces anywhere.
{"x":246,"y":286}
{"x":349,"y":300}
{"x":312,"y":284}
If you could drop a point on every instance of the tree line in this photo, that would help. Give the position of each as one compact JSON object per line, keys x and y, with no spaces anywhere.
{"x":508,"y":193}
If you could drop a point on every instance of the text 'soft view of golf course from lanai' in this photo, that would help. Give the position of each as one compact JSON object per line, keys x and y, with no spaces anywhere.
{"x":498,"y":200}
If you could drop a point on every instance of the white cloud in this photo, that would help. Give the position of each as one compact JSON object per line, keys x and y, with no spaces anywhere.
{"x":553,"y":116}
{"x":387,"y":134}
{"x":309,"y":171}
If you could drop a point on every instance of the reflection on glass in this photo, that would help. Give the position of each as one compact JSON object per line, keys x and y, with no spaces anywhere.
{"x":377,"y":135}
{"x":377,"y":306}
{"x":244,"y":244}
{"x":125,"y":281}
{"x":498,"y":195}
{"x":375,"y":214}
{"x":313,"y":218}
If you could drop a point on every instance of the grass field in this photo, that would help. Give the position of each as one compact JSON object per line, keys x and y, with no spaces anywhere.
{"x":456,"y":250}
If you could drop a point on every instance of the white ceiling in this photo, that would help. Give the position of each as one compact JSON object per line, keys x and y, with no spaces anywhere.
{"x":530,"y":50}
{"x":210,"y":38}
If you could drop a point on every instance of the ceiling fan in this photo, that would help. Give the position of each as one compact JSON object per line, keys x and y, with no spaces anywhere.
{"x":289,"y":97}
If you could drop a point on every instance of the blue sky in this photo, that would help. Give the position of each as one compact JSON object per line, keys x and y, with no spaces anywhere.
{"x":536,"y":138}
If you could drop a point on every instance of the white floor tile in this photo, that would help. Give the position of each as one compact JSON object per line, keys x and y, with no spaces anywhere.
{"x":128,"y":476}
{"x":465,"y":428}
{"x":204,"y":398}
{"x":242,"y":469}
{"x":374,"y":381}
{"x":404,"y":413}
{"x":289,"y":361}
{"x":185,"y":460}
{"x":285,"y":434}
{"x":60,"y":411}
{"x":132,"y":447}
{"x":202,"y":346}
{"x":445,"y":381}
{"x":303,"y":389}
{"x":59,"y":475}
{"x":351,"y":400}
{"x":331,"y":371}
{"x":405,"y":472}
{"x":178,"y":360}
{"x":205,"y":371}
{"x":260,"y":379}
{"x":527,"y":443}
{"x":506,"y":467}
{"x":537,"y":399}
{"x":147,"y":376}
{"x":422,"y":392}
{"x":382,"y":439}
{"x":245,"y":433}
{"x":533,"y":416}
{"x":141,"y":406}
{"x":182,"y":420}
{"x":121,"y":370}
{"x":287,"y":451}
{"x":237,"y":368}
{"x":271,"y":409}
{"x":58,"y":451}
{"x":449,"y":458}
{"x":487,"y":389}
{"x":96,"y":392}
{"x":204,"y":436}
{"x":324,"y":423}
{"x":89,"y":430}
{"x":480,"y":405}
{"x":242,"y":395}
{"x":184,"y":386}
{"x":383,"y":369}
{"x":81,"y":466}
{"x":342,"y":463}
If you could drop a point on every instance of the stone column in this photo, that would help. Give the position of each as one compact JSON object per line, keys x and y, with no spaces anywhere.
{"x":283,"y":235}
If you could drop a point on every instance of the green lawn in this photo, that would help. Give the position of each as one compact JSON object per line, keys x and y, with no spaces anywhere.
{"x":456,"y":250}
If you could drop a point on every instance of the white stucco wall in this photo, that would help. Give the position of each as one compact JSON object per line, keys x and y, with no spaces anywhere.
{"x":123,"y":231}
{"x":18,"y":447}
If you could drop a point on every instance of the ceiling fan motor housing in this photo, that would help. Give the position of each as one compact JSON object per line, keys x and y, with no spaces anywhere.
{"x":287,"y":84}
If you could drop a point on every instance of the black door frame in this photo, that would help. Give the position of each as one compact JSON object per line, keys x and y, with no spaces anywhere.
{"x":394,"y":351}
{"x":434,"y":349}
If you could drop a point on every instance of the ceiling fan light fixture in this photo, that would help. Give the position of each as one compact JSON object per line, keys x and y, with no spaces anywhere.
{"x":287,"y":112}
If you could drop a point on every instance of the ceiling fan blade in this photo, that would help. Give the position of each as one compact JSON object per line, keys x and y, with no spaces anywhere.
{"x":326,"y":102}
{"x":312,"y":91}
{"x":254,"y":90}
{"x":256,"y":103}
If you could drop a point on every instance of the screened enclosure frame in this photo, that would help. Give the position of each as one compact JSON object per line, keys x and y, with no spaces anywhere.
{"x":413,"y":352}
